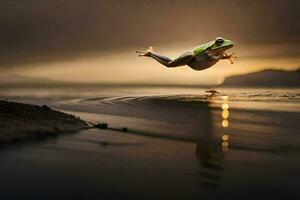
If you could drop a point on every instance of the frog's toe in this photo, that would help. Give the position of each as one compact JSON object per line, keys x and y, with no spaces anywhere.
{"x":231,"y":55}
{"x":145,"y":52}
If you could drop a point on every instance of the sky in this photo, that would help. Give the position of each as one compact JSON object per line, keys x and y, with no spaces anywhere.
{"x":95,"y":41}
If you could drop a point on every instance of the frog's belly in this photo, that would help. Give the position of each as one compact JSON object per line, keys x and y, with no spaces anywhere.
{"x":202,"y":62}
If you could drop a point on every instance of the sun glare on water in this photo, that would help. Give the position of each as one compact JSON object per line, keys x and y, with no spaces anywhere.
{"x":225,"y":123}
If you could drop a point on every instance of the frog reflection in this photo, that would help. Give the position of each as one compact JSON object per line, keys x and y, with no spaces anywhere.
{"x":211,"y":149}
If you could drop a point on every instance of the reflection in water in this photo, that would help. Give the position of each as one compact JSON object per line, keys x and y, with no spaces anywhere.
{"x":225,"y":106}
{"x":225,"y":123}
{"x":210,"y":154}
{"x":225,"y":114}
{"x":225,"y":137}
{"x":225,"y":144}
{"x":210,"y":162}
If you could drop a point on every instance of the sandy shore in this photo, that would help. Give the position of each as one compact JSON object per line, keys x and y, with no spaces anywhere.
{"x":20,"y":122}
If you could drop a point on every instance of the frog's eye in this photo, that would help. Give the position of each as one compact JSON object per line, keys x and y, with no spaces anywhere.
{"x":219,"y":41}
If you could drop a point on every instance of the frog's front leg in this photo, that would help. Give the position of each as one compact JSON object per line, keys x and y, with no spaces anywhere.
{"x":228,"y":57}
{"x":213,"y":57}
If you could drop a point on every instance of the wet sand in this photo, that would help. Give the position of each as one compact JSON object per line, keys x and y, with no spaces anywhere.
{"x":178,"y":146}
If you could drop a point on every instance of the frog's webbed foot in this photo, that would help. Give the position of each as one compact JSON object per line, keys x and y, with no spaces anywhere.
{"x":145,"y":52}
{"x":228,"y":57}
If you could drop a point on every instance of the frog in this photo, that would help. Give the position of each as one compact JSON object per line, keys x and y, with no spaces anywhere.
{"x":199,"y":58}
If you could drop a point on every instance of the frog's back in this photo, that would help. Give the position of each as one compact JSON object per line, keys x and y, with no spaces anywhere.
{"x":201,"y":61}
{"x":201,"y":48}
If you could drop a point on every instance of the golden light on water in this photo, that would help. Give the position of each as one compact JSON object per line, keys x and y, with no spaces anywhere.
{"x":225,"y":144}
{"x":225,"y":149}
{"x":225,"y":98}
{"x":225,"y":123}
{"x":225,"y":114}
{"x":225,"y":106}
{"x":225,"y":137}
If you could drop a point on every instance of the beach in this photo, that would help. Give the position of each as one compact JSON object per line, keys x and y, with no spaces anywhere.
{"x":160,"y":143}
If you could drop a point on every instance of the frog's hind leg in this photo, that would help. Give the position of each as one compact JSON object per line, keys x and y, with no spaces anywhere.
{"x":182,"y":60}
{"x":159,"y":58}
{"x":145,"y":52}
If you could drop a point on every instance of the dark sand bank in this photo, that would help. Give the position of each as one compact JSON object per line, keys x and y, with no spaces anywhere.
{"x":20,"y":122}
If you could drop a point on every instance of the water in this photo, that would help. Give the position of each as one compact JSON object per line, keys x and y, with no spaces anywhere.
{"x":180,"y":144}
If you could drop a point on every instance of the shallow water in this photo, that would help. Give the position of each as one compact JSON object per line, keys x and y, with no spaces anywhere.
{"x":180,"y":144}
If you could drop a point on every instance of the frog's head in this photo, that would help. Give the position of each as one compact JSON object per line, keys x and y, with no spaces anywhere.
{"x":220,"y":45}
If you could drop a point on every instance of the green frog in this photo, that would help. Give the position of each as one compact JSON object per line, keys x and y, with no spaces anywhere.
{"x":201,"y":57}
